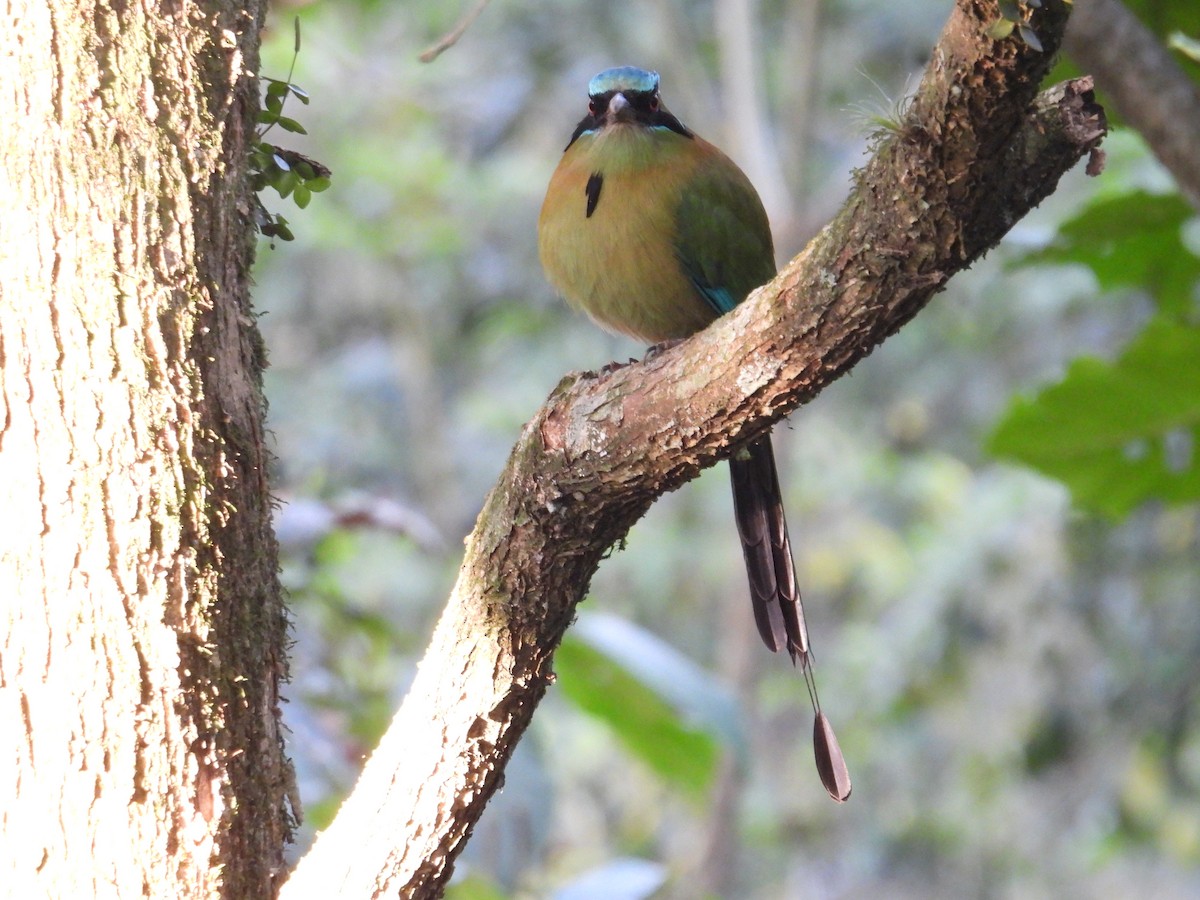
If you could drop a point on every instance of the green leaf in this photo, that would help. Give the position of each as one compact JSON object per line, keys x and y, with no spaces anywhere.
{"x":474,"y":887}
{"x":1120,"y":433}
{"x":316,"y":185}
{"x":1009,"y":10}
{"x":302,"y":195}
{"x":1134,"y":239}
{"x":1163,"y":18}
{"x":290,"y":125}
{"x":260,"y":156}
{"x":1029,"y":36}
{"x":286,"y":183}
{"x":652,"y":727}
{"x":276,"y":227}
{"x":1000,"y":29}
{"x":266,"y":117}
{"x":1188,"y":46}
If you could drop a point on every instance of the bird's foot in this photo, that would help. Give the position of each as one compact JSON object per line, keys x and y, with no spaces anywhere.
{"x":662,"y":347}
{"x":614,"y":366}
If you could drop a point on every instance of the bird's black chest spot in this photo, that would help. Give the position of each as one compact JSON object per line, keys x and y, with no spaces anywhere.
{"x":594,"y":183}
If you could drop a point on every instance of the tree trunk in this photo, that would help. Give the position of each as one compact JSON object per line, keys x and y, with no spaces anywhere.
{"x":141,"y":628}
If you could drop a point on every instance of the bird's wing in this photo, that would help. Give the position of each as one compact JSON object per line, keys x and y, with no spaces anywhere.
{"x":723,"y":237}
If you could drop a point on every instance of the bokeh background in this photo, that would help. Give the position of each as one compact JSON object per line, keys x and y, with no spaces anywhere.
{"x":1011,"y":669}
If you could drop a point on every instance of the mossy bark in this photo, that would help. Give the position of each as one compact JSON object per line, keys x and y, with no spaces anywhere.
{"x":141,"y":626}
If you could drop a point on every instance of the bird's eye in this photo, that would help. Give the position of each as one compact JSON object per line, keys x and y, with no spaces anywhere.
{"x":592,"y":107}
{"x":654,"y":103}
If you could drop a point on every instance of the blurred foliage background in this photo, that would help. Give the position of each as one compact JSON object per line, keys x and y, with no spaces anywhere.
{"x":1009,"y":658}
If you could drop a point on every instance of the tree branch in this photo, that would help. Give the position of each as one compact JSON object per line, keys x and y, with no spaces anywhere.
{"x":978,"y":149}
{"x":1147,"y":86}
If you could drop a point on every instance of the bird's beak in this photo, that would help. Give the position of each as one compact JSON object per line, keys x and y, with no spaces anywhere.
{"x":619,"y":109}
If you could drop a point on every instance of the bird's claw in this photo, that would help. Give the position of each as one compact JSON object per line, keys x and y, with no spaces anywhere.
{"x":613,"y":366}
{"x":662,"y":347}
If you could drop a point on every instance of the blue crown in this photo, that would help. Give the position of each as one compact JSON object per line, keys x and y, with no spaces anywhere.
{"x":623,"y":78}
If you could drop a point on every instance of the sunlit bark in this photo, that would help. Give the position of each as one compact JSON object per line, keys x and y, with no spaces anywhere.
{"x":141,"y":631}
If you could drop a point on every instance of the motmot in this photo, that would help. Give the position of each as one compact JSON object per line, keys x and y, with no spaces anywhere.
{"x":654,"y":233}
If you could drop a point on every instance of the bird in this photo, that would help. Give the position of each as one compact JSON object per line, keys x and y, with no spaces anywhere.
{"x":654,"y":233}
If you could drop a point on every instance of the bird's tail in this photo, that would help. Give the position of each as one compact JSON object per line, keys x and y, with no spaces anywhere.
{"x":778,"y":610}
{"x":762,"y":526}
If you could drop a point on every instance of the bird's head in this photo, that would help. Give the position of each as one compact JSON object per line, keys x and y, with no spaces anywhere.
{"x":626,"y":97}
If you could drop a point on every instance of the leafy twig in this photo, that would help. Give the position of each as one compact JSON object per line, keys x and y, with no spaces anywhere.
{"x":288,"y":172}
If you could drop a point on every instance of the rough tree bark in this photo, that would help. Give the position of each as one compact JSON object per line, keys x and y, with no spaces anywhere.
{"x":141,"y":629}
{"x":977,"y":149}
{"x":1146,"y":85}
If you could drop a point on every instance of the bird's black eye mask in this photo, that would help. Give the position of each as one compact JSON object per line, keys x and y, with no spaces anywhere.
{"x":646,"y":108}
